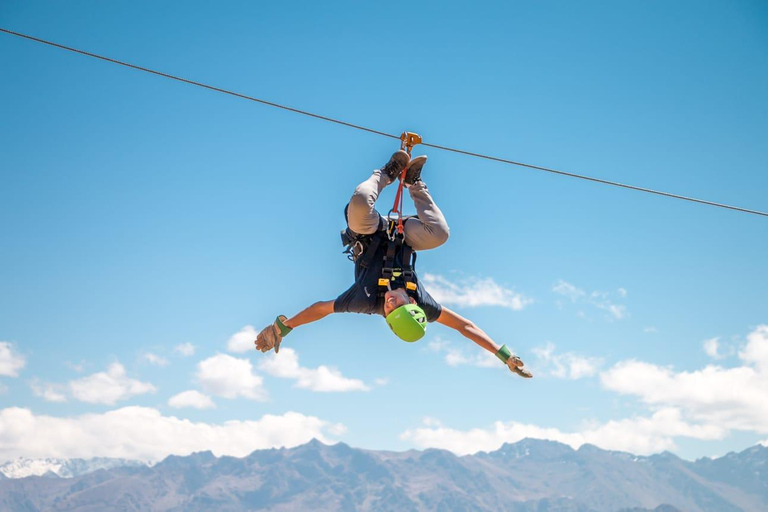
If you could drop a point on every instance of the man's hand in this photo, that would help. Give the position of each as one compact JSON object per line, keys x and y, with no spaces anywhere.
{"x":516,"y":365}
{"x":269,"y":338}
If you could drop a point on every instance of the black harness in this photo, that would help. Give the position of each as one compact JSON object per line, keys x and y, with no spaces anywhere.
{"x":362,"y":250}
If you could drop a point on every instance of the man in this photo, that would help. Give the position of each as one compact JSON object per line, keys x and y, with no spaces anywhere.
{"x":406,"y":305}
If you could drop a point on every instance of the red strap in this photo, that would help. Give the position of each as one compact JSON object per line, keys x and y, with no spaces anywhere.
{"x":398,"y":206}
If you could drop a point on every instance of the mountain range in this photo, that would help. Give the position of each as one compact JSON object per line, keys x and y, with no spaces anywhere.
{"x":528,"y":476}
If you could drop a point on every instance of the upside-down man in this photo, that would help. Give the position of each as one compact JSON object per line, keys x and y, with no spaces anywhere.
{"x":385,"y":282}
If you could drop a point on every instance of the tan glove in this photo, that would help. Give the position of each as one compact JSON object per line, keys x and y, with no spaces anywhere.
{"x":516,"y":365}
{"x":270,"y":337}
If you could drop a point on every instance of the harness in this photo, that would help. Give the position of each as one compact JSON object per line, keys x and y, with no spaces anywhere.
{"x":391,"y":232}
{"x":399,"y":260}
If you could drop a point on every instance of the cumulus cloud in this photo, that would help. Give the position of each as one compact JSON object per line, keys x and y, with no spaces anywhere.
{"x":48,"y":392}
{"x":10,"y":360}
{"x":600,"y":300}
{"x":191,"y":398}
{"x":242,"y":340}
{"x":108,"y":387}
{"x":457,"y":357}
{"x":711,"y":347}
{"x":640,"y":435}
{"x":732,"y":398}
{"x":566,"y":365}
{"x":185,"y":349}
{"x":705,"y":404}
{"x":473,"y":292}
{"x":756,"y":351}
{"x":230,"y":377}
{"x":143,"y":433}
{"x":323,"y":378}
{"x":155,"y":359}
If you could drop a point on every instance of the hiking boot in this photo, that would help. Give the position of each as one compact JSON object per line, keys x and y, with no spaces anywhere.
{"x":398,"y":162}
{"x":414,"y":170}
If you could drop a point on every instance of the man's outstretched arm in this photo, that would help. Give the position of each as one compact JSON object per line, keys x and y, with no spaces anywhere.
{"x":468,"y":329}
{"x":311,"y":314}
{"x":272,"y":335}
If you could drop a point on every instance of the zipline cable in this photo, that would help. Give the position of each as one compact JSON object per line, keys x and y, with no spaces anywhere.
{"x":384,"y":134}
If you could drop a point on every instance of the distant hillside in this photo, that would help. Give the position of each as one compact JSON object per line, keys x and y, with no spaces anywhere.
{"x":529,"y":476}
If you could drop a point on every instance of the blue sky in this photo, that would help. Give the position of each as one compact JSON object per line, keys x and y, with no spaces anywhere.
{"x":143,"y":220}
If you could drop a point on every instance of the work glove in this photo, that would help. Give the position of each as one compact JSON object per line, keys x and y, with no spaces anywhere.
{"x":515,"y":364}
{"x":272,"y":335}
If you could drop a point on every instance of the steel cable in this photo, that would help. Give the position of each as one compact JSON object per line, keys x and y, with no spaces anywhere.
{"x":377,"y":132}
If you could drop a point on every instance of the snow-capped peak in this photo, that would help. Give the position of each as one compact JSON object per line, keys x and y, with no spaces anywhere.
{"x":63,"y":468}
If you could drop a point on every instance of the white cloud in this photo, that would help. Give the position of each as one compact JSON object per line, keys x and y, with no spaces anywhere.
{"x":731,"y":398}
{"x":457,"y":357}
{"x":756,"y":351}
{"x":566,"y":365}
{"x":143,"y":433}
{"x":48,"y":392}
{"x":711,"y":347}
{"x":191,"y":398}
{"x":617,"y":311}
{"x":382,"y":381}
{"x":185,"y":349}
{"x":10,"y":360}
{"x":438,"y":345}
{"x":323,"y":378}
{"x":568,"y":290}
{"x":473,"y":292}
{"x":230,"y":377}
{"x":108,"y":387}
{"x":641,"y":435}
{"x":598,"y":299}
{"x":155,"y":359}
{"x":243,"y":340}
{"x":650,"y":329}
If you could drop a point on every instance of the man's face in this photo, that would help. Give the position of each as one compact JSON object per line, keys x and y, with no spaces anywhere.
{"x":393,"y":299}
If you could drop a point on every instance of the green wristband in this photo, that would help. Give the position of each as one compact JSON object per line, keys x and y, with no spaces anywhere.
{"x":284,"y":329}
{"x":504,"y":354}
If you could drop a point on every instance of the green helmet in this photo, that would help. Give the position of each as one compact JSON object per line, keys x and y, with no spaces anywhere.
{"x":408,"y":322}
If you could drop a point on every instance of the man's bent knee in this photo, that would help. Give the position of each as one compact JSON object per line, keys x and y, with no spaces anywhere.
{"x":427,"y":236}
{"x":440,"y":234}
{"x":361,"y":200}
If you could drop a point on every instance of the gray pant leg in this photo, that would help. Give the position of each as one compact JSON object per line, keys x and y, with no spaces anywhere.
{"x":362,"y":216}
{"x":430,"y":229}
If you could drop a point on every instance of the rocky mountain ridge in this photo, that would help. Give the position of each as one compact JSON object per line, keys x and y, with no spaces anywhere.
{"x":527,"y":476}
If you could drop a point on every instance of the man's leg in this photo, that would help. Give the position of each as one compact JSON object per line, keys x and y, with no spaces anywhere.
{"x":430,"y":229}
{"x":362,"y":217}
